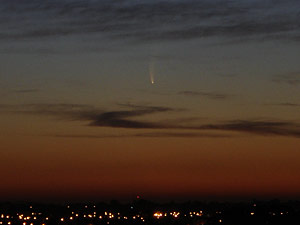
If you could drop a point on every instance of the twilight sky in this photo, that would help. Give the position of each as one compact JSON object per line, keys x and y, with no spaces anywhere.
{"x":103,"y":99}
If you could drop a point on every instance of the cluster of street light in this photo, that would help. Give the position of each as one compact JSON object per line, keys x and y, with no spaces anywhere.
{"x":38,"y":218}
{"x":34,"y":217}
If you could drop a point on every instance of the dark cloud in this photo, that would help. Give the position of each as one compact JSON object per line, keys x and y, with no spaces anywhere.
{"x":64,"y":111}
{"x":148,"y":135}
{"x":97,"y":117}
{"x":291,"y":79}
{"x":290,"y":104}
{"x":182,"y":135}
{"x":24,"y":91}
{"x":149,"y":20}
{"x":24,"y":50}
{"x":122,"y":119}
{"x":133,"y":118}
{"x":4,"y":107}
{"x":272,"y":128}
{"x":287,"y":104}
{"x":83,"y":136}
{"x":211,"y":95}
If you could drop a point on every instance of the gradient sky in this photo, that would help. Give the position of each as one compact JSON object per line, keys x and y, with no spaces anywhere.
{"x":80,"y":118}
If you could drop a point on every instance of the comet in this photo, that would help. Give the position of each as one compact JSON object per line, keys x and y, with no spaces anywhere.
{"x":151,"y":72}
{"x":151,"y":78}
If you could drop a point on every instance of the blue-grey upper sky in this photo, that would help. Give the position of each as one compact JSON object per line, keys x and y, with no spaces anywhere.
{"x":191,"y":46}
{"x":229,"y":55}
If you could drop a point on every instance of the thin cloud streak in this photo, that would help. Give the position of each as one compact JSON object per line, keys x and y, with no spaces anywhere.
{"x":147,"y":135}
{"x":25,"y":91}
{"x":265,"y":128}
{"x":210,"y":95}
{"x":183,"y":135}
{"x":63,"y":111}
{"x":285,"y":104}
{"x":291,"y":79}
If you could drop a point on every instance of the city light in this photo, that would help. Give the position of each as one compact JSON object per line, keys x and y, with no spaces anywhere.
{"x":158,"y":215}
{"x":85,"y":216}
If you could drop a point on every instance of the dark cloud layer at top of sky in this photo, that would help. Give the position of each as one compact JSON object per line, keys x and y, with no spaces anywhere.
{"x":149,"y":20}
{"x":130,"y":118}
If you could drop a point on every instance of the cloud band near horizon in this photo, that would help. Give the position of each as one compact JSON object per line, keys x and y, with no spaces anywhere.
{"x":131,"y":119}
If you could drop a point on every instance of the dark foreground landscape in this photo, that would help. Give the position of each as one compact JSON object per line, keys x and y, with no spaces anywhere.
{"x":145,"y":212}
